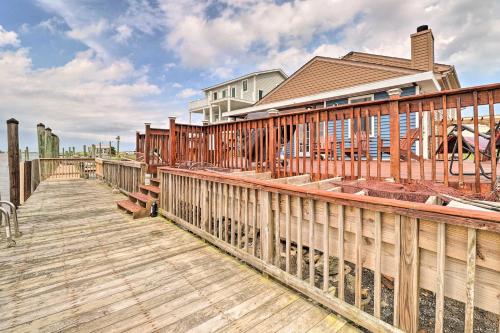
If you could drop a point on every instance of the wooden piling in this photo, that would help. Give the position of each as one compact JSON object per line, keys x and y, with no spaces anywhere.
{"x":48,"y":143}
{"x":40,"y":131}
{"x":13,"y":155}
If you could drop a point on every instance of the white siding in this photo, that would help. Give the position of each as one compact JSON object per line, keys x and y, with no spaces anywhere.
{"x":268,"y":82}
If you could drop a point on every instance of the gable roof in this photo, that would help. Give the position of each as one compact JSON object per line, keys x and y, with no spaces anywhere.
{"x":279,"y":71}
{"x":322,"y":74}
{"x":390,"y":61}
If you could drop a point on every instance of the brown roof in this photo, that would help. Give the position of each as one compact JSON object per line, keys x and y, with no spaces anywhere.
{"x":322,"y":74}
{"x":390,"y":61}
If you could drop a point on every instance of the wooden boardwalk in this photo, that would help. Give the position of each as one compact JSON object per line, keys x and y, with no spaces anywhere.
{"x":82,"y":266}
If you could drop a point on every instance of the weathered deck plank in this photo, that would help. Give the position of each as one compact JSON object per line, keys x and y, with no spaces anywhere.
{"x":81,"y":265}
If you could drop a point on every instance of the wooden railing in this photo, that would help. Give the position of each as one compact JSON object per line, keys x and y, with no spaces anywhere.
{"x":66,"y":168}
{"x":126,"y":176}
{"x":406,"y":138}
{"x":330,"y":245}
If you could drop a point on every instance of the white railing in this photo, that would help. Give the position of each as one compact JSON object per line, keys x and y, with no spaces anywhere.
{"x":198,"y":104}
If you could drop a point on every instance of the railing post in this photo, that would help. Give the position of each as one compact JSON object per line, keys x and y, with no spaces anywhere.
{"x":137,"y":148}
{"x":272,"y":142}
{"x":147,"y":143}
{"x":204,"y":205}
{"x":394,"y":95}
{"x":409,"y":275}
{"x":48,"y":143}
{"x":13,"y":153}
{"x":205,"y":149}
{"x":267,"y":226}
{"x":172,"y":141}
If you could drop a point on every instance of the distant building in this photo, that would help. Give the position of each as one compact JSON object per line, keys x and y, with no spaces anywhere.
{"x":235,"y":94}
{"x":361,"y":77}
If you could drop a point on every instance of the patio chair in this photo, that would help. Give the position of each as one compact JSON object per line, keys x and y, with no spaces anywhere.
{"x":468,"y":147}
{"x":412,"y":136}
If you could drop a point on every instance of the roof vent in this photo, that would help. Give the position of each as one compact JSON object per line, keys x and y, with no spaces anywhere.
{"x":422,"y":28}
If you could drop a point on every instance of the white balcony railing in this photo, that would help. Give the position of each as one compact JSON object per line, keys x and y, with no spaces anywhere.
{"x":198,"y":104}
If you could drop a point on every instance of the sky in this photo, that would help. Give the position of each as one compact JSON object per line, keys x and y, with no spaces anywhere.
{"x":94,"y":69}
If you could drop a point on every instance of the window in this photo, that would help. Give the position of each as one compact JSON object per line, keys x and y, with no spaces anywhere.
{"x":370,"y":128}
{"x":261,"y":94}
{"x":223,"y":93}
{"x":215,"y":95}
{"x":233,"y":92}
{"x":245,"y":85}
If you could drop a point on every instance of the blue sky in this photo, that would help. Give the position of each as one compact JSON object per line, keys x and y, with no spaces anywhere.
{"x":93,"y":69}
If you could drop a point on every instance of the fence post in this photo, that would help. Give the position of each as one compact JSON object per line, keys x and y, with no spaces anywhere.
{"x":172,"y":143}
{"x":137,"y":148}
{"x":147,"y":143}
{"x":13,"y":150}
{"x":394,"y":95}
{"x":40,"y":131}
{"x":54,"y":140}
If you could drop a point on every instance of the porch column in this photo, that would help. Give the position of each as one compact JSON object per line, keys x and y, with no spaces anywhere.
{"x":211,"y":114}
{"x":394,"y":95}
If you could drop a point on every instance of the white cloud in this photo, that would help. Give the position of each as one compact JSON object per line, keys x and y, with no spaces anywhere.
{"x":92,"y":30}
{"x":177,"y":85}
{"x":187,"y":93}
{"x":52,"y":24}
{"x":123,"y":33}
{"x":85,"y":100}
{"x":8,"y":38}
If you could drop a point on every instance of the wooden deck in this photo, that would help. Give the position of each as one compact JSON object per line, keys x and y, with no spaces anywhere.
{"x":81,"y":265}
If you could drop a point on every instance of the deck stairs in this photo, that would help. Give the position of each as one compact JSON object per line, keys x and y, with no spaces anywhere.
{"x":139,"y":203}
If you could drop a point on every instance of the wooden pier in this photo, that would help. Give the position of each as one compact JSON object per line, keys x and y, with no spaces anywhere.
{"x":81,"y":265}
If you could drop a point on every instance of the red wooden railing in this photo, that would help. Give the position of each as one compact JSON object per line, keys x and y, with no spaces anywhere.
{"x":321,"y":141}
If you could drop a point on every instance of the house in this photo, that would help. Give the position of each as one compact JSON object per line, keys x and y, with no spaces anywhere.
{"x":360,"y":77}
{"x":233,"y":95}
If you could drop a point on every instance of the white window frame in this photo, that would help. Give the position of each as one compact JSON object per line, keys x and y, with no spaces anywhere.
{"x":372,"y":118}
{"x":214,"y":96}
{"x":258,"y":94}
{"x":243,"y":85}
{"x":233,"y":89}
{"x":223,"y":93}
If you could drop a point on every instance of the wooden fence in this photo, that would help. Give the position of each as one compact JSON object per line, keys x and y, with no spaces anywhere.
{"x":66,"y":168}
{"x":283,"y":229}
{"x":124,"y":175}
{"x":400,"y":138}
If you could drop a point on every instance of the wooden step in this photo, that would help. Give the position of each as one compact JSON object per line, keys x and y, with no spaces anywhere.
{"x":130,"y":207}
{"x":141,"y":197}
{"x":150,"y":188}
{"x":155,"y":181}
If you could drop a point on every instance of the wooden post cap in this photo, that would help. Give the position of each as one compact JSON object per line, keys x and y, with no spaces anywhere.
{"x":172,"y":117}
{"x":205,"y":122}
{"x":273,"y":112}
{"x":12,"y":121}
{"x":394,"y":93}
{"x":40,"y":125}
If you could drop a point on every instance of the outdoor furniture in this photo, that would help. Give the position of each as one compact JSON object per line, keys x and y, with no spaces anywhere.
{"x":468,"y":146}
{"x":411,"y":137}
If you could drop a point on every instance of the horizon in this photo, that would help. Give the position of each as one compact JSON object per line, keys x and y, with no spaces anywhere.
{"x":92,"y":70}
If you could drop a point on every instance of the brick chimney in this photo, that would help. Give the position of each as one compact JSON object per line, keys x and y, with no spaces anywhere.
{"x":422,"y":49}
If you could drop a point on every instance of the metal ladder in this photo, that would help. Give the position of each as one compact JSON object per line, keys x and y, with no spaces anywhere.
{"x":9,"y":214}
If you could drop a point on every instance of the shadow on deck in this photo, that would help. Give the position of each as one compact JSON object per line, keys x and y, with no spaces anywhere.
{"x":83,"y":266}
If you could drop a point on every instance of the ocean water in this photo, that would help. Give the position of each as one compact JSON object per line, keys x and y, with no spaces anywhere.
{"x":4,"y":174}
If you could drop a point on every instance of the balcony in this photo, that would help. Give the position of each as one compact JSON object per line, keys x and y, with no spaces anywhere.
{"x":198,"y":105}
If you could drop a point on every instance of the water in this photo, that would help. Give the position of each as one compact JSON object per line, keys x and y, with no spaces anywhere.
{"x":4,"y":173}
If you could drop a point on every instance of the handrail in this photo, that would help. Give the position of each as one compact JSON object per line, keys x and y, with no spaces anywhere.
{"x":463,"y":217}
{"x":10,"y":241}
{"x":13,"y":211}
